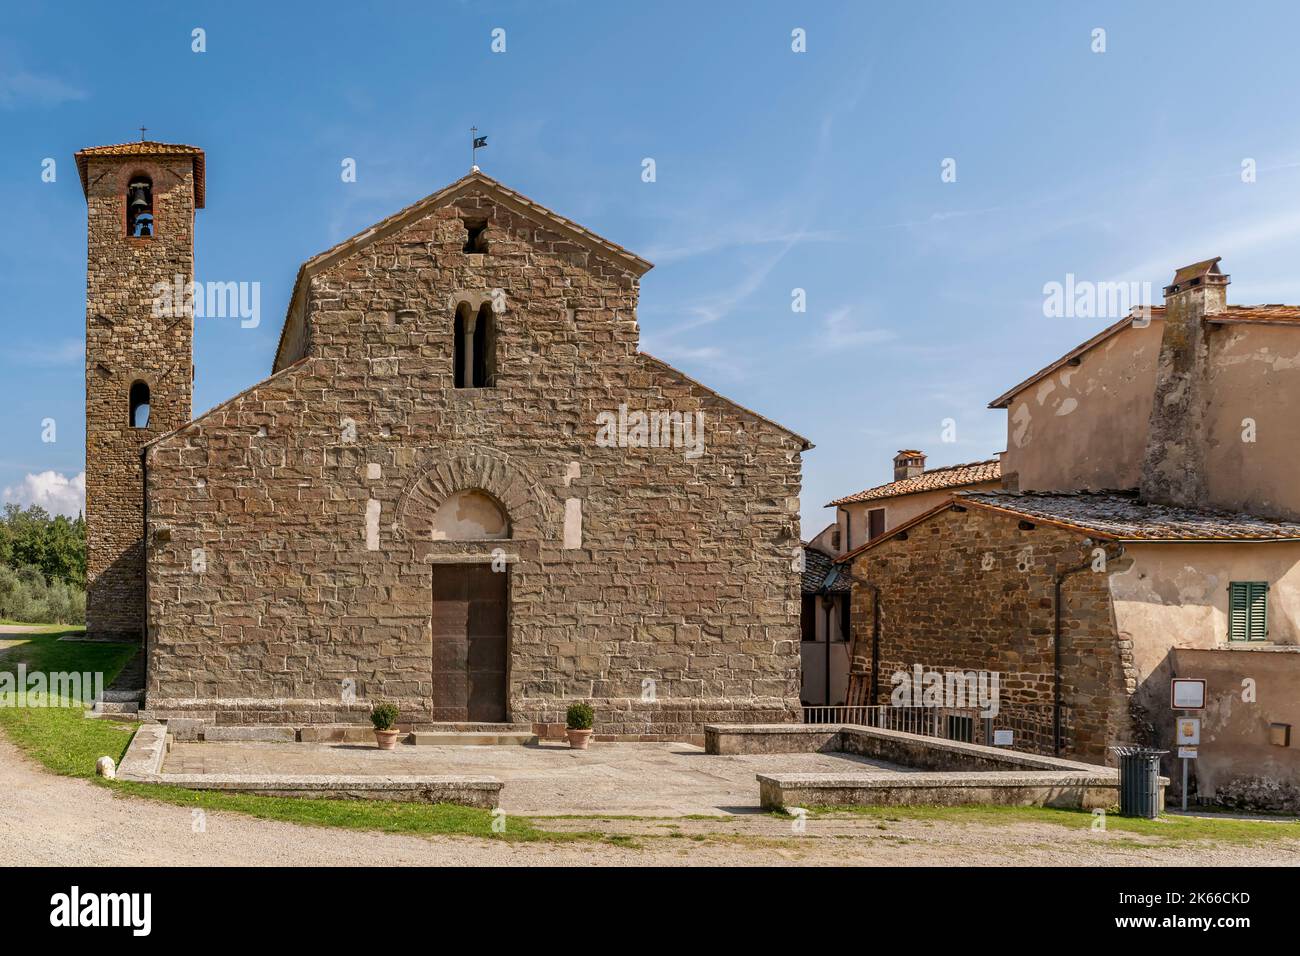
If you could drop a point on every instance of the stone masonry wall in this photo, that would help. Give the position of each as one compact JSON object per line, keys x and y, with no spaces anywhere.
{"x":971,"y":590}
{"x":678,"y":606}
{"x":126,"y":343}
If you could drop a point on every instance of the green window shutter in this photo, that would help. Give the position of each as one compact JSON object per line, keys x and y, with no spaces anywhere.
{"x":1258,"y":610}
{"x":1238,"y":611}
{"x":1248,"y":611}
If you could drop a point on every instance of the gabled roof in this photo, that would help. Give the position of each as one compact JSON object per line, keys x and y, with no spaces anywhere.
{"x":1003,"y":400}
{"x":1111,"y":515}
{"x":822,"y":574}
{"x":1270,"y":314}
{"x":722,"y":398}
{"x":933,"y":479}
{"x":1189,"y":275}
{"x":1123,"y":516}
{"x":476,"y":179}
{"x":148,"y":148}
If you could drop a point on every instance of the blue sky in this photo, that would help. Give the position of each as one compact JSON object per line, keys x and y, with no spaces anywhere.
{"x":775,"y":170}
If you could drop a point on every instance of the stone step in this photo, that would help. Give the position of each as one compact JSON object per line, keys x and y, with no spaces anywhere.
{"x":361,"y":733}
{"x":121,"y":718}
{"x":107,"y":706}
{"x":266,"y":733}
{"x":475,"y":727}
{"x":124,"y":696}
{"x":452,"y":738}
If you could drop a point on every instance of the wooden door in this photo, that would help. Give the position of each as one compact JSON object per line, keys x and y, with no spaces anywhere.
{"x":469,"y":642}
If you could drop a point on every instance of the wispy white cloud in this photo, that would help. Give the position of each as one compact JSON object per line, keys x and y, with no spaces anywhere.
{"x":841,"y":331}
{"x":55,"y":492}
{"x":717,"y":361}
{"x":735,"y":237}
{"x":45,"y":354}
{"x":20,"y":88}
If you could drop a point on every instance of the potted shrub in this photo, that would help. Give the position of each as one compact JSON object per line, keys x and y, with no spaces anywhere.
{"x":384,"y":716}
{"x":578,"y":723}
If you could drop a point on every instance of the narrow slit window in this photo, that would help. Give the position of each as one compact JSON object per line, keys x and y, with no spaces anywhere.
{"x":463,"y":341}
{"x":139,"y":405}
{"x":474,"y":347}
{"x":476,"y":236}
{"x":139,"y":208}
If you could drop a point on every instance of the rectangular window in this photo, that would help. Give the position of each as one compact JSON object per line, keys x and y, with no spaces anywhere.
{"x":875,"y":523}
{"x":1248,"y":611}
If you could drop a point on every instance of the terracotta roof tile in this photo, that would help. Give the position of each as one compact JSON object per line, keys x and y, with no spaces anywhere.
{"x":933,"y":479}
{"x":149,"y":147}
{"x":1272,"y":313}
{"x":1123,"y":516}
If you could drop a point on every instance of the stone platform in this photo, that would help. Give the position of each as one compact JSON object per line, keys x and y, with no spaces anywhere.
{"x":146,"y":761}
{"x":642,"y":779}
{"x":945,"y":772}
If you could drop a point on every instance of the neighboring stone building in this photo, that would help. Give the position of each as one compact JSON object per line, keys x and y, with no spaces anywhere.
{"x":450,"y":492}
{"x":866,"y":515}
{"x":1088,"y":600}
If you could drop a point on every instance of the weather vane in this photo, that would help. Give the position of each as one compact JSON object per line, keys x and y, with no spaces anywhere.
{"x":479,"y":142}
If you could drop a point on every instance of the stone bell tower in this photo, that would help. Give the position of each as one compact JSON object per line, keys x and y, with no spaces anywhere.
{"x":140,"y":203}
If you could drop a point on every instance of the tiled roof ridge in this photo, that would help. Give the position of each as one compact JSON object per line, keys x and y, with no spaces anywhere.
{"x":916,"y":483}
{"x":1128,"y":519}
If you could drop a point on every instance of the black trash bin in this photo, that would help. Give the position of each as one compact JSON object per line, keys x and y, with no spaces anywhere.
{"x":1139,"y":781}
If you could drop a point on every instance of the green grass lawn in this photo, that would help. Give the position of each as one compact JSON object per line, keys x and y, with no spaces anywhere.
{"x":68,"y":743}
{"x":60,"y":736}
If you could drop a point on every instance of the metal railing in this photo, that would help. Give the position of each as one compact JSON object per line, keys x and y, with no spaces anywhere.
{"x":950,"y":723}
{"x":1031,"y":726}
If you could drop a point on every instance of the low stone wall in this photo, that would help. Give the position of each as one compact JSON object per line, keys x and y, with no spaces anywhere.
{"x":892,"y":746}
{"x":616,"y":719}
{"x":481,"y":792}
{"x":732,"y":739}
{"x":143,"y":763}
{"x":941,"y":772}
{"x":935,"y":753}
{"x":1001,"y":788}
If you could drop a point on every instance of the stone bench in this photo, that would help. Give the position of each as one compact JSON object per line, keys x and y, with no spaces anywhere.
{"x":467,"y":791}
{"x":999,"y":788}
{"x":940,"y":772}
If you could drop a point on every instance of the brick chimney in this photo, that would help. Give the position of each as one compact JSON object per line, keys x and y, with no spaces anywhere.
{"x":908,"y":463}
{"x":1173,"y":467}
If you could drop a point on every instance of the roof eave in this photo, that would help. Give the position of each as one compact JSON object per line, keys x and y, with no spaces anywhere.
{"x":1003,"y":400}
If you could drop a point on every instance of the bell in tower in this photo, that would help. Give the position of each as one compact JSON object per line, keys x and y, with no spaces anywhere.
{"x":139,"y":208}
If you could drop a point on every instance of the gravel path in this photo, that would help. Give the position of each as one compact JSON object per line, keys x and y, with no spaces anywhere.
{"x":46,"y":819}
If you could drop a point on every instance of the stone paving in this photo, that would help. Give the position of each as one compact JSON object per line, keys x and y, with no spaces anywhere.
{"x":644,"y":779}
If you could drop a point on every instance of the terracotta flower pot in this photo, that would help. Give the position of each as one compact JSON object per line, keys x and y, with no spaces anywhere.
{"x":578,"y":739}
{"x":387,"y":739}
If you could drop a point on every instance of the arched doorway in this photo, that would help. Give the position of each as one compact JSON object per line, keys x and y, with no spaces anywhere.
{"x":470,"y":614}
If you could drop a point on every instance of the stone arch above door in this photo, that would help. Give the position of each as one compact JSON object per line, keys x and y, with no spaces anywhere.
{"x":448,"y":471}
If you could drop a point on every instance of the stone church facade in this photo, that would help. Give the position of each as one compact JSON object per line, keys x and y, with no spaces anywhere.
{"x":462,"y":488}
